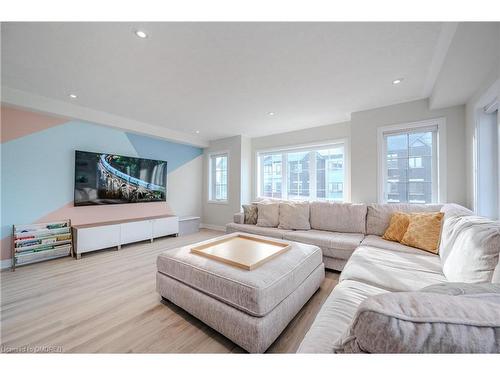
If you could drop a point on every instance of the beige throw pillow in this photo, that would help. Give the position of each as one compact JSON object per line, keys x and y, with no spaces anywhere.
{"x":397,"y":227}
{"x":424,"y":231}
{"x":294,"y":215}
{"x":268,"y":214}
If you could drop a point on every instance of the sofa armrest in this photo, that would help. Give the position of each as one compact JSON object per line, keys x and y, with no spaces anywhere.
{"x":239,"y":218}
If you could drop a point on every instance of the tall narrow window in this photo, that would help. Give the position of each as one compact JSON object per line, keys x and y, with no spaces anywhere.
{"x":306,"y":173}
{"x":218,"y":177}
{"x":410,"y":165}
{"x":487,"y":200}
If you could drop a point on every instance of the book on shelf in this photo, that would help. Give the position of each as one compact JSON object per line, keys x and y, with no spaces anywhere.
{"x":41,"y":241}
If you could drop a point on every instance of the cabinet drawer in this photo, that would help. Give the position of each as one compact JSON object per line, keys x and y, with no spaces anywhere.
{"x":136,"y":231}
{"x":165,"y":226}
{"x":89,"y":239}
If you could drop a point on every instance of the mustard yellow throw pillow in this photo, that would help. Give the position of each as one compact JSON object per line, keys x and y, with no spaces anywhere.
{"x":424,"y":231}
{"x":397,"y":227}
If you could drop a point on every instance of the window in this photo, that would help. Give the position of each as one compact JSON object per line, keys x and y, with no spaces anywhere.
{"x":487,"y":162}
{"x":303,"y":174}
{"x":409,"y":162}
{"x":218,"y":177}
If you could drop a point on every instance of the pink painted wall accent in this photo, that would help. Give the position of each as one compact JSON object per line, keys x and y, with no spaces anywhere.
{"x":22,"y":123}
{"x":6,"y":248}
{"x":94,"y":214}
{"x":99,"y":214}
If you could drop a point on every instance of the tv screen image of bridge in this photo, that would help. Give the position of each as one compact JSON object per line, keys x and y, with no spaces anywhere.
{"x":115,"y":184}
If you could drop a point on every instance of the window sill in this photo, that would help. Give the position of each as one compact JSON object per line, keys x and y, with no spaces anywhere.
{"x":218,"y":202}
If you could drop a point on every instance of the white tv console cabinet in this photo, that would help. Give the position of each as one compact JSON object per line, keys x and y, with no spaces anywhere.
{"x":96,"y":236}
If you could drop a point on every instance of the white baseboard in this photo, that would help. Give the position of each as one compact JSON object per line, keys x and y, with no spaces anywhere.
{"x":6,"y":263}
{"x":219,"y":228}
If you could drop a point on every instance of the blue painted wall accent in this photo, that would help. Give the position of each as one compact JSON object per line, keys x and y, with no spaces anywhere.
{"x":38,"y":169}
{"x":175,"y":154}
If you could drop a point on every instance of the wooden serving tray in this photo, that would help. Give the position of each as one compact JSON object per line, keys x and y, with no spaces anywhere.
{"x":242,"y":250}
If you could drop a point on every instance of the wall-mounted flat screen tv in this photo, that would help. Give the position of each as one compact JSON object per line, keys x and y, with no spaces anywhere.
{"x":113,"y":179}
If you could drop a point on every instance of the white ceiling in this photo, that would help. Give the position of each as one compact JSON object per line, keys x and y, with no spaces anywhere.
{"x":222,"y":78}
{"x":472,"y":58}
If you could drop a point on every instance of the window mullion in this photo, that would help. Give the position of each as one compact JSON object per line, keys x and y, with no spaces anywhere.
{"x":312,"y":175}
{"x":408,"y":168}
{"x":284,"y":176}
{"x":213,"y":184}
{"x":435,"y":169}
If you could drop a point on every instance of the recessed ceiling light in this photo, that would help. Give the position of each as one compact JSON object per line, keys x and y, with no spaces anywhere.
{"x":271,"y":113}
{"x":397,"y":81}
{"x":141,"y":34}
{"x":197,"y":132}
{"x":73,"y":96}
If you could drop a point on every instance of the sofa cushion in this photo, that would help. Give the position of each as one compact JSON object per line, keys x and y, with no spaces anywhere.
{"x":424,"y":231}
{"x":425,"y":322}
{"x":336,"y":245}
{"x":396,"y":271}
{"x":397,"y":227}
{"x":338,"y":217}
{"x":268,"y":214}
{"x":470,"y":248}
{"x":455,"y":289}
{"x":496,"y":274}
{"x":379,"y":215}
{"x":250,"y":214}
{"x":294,"y":215}
{"x":377,"y":241}
{"x":453,"y":209}
{"x":256,"y":292}
{"x":336,"y":315}
{"x":254,"y":229}
{"x":239,"y":218}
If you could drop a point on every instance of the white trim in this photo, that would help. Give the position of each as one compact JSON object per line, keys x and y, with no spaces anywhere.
{"x":211,"y":201}
{"x":441,"y":196}
{"x":210,"y":177}
{"x":5,"y":263}
{"x":448,"y":31}
{"x":484,"y":100}
{"x":303,"y":146}
{"x":219,"y":228}
{"x":47,"y":105}
{"x":344,"y":142}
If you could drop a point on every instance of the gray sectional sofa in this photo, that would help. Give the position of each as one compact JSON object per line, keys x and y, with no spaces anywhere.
{"x":338,"y":229}
{"x":373,"y":269}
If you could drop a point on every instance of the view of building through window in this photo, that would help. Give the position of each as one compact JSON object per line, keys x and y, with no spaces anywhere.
{"x":410,"y":161}
{"x":303,"y":175}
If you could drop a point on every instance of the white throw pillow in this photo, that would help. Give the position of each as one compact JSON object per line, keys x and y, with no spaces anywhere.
{"x":294,"y":215}
{"x":268,"y":214}
{"x":470,"y":247}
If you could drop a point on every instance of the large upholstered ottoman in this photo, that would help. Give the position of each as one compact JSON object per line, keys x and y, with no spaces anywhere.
{"x":251,"y":308}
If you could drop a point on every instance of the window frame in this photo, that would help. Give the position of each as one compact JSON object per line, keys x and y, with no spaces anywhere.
{"x":439,"y":177}
{"x":258,"y":171}
{"x":211,"y":177}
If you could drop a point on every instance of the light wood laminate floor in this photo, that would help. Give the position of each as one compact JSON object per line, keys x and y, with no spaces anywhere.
{"x":106,"y":302}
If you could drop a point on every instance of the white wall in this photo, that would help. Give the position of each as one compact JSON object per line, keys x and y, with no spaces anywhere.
{"x":364,"y":162}
{"x":185,"y":188}
{"x":300,"y":137}
{"x":361,"y":136}
{"x":246,"y":170}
